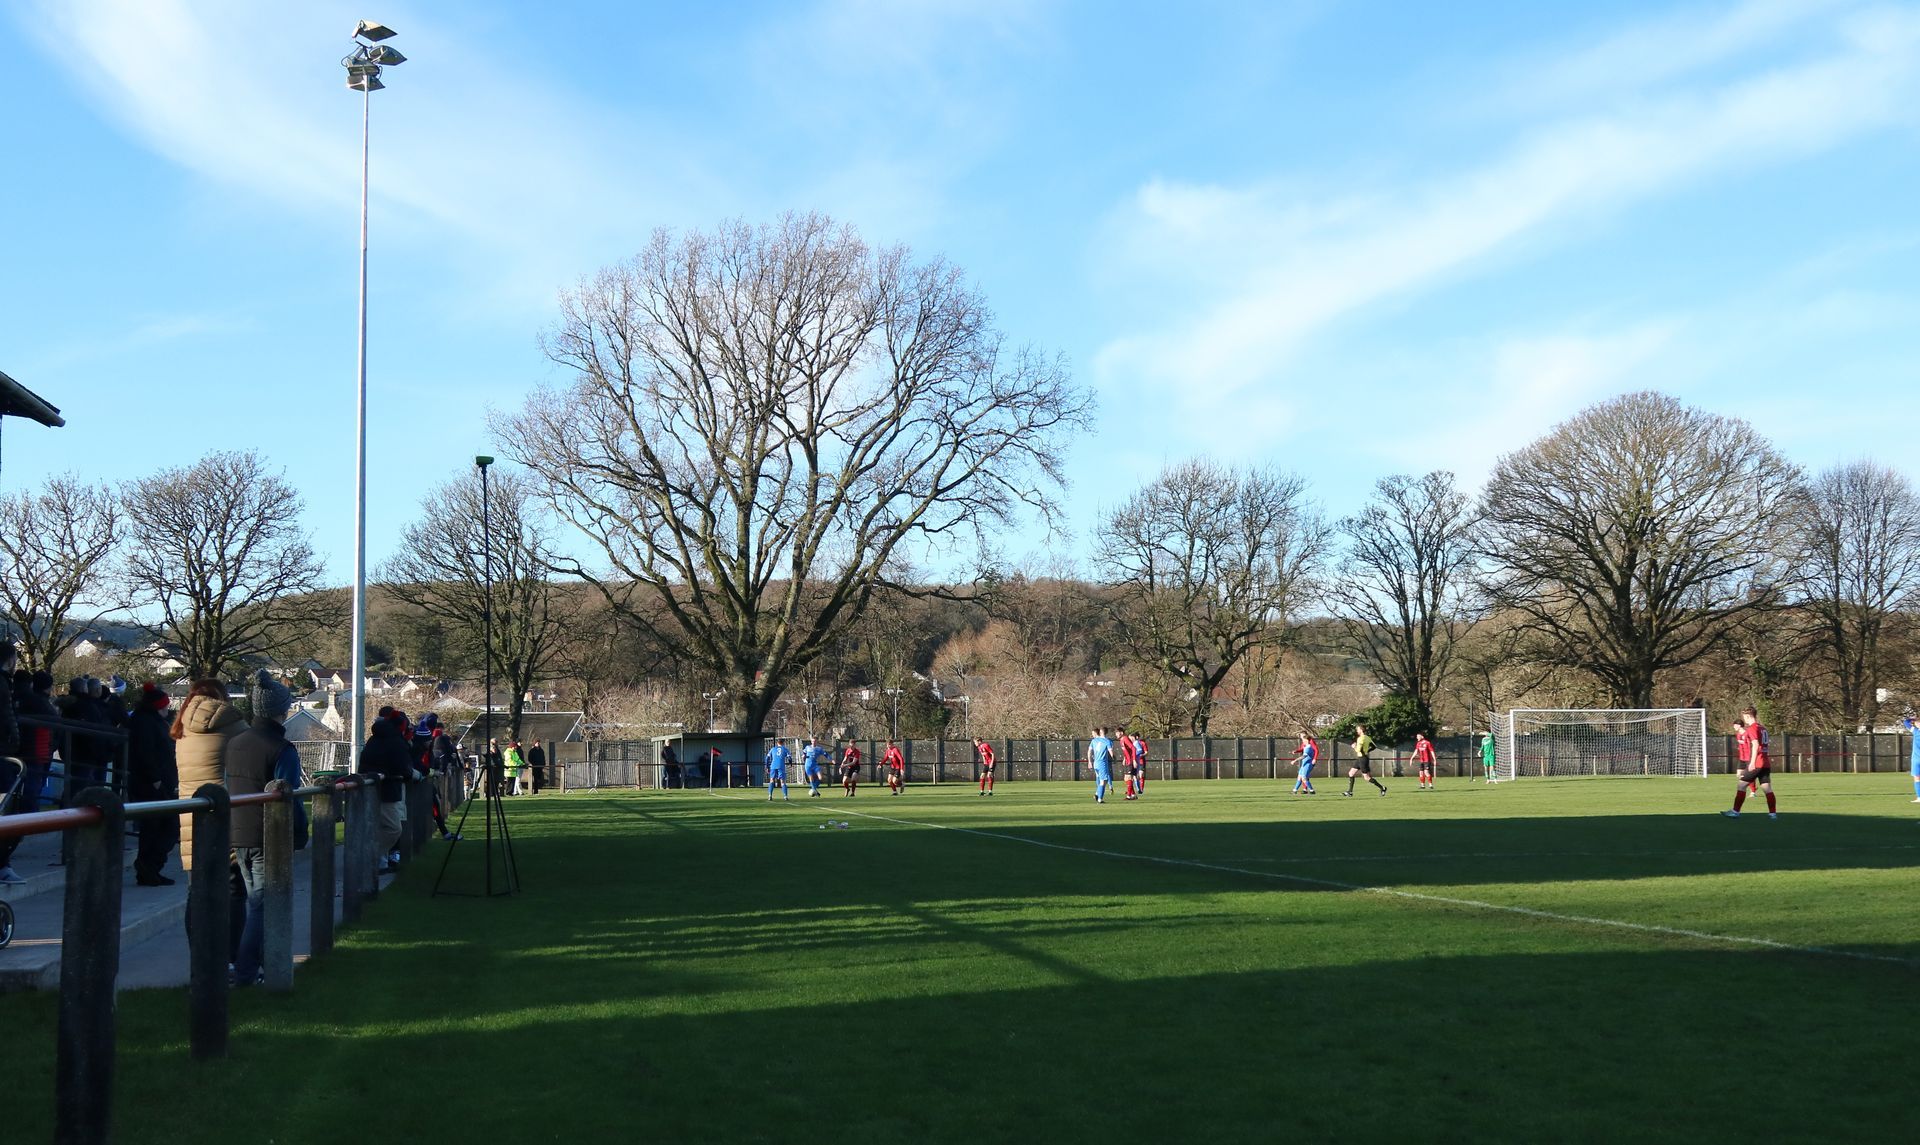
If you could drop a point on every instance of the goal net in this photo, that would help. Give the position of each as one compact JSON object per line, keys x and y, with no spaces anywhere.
{"x":1532,"y":742}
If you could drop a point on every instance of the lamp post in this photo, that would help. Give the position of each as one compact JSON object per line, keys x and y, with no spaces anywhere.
{"x":966,"y":716}
{"x":710,"y":697}
{"x":363,"y":75}
{"x":486,"y":608}
{"x":895,"y":693}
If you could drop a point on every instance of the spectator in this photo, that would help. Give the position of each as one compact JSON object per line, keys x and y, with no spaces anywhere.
{"x":12,"y":769}
{"x":201,"y":732}
{"x":253,"y":758}
{"x":515,"y":763}
{"x":152,"y":774}
{"x":385,"y":754}
{"x":33,"y":697}
{"x":537,"y":765}
{"x":670,"y":766}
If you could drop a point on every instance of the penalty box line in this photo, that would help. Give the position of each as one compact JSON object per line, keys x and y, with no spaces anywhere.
{"x":1389,"y":892}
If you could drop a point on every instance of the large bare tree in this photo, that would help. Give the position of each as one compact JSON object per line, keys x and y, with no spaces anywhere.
{"x":217,"y":548}
{"x":1863,"y":567}
{"x":57,"y":546}
{"x":1208,"y":564}
{"x":1636,"y":535}
{"x":761,"y":426}
{"x":441,"y":569}
{"x":1406,"y":590}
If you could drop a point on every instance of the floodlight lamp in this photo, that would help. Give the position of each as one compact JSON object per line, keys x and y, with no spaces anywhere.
{"x":372,"y":31}
{"x":483,"y":461}
{"x":386,"y":55}
{"x":359,"y":67}
{"x":365,"y":83}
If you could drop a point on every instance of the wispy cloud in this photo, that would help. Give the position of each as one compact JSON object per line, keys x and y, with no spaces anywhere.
{"x":1282,"y":267}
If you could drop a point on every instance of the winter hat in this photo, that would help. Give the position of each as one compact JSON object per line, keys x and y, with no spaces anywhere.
{"x":270,"y":698}
{"x":43,"y":681}
{"x":155,"y":696}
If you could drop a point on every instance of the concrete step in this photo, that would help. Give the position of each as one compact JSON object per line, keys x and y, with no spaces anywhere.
{"x":37,"y":860}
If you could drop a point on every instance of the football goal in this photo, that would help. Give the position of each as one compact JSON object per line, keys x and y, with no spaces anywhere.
{"x":1534,"y":742}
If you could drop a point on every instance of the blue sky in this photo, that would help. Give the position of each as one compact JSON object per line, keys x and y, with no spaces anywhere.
{"x":1355,"y":239}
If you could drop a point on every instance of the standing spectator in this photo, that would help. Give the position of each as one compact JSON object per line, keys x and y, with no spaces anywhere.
{"x":537,"y":765}
{"x":670,"y":768}
{"x":385,"y":754}
{"x":33,"y":697}
{"x":151,"y":775}
{"x":202,"y":731}
{"x":252,"y":758}
{"x":11,"y":770}
{"x":514,"y":763}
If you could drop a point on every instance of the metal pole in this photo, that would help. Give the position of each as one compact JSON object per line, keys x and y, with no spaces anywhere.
{"x":359,"y":706}
{"x":486,"y":609}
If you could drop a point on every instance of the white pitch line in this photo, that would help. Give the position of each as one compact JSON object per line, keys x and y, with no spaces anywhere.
{"x":1392,"y":892}
{"x":1577,"y":854}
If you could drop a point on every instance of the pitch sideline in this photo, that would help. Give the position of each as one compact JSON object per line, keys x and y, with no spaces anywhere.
{"x":1389,"y":892}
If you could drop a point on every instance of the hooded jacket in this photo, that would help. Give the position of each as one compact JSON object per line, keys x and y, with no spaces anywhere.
{"x":252,"y":757}
{"x":386,"y":754}
{"x":201,"y":754}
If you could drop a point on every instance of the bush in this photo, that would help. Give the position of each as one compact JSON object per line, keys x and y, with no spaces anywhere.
{"x":1394,"y":720}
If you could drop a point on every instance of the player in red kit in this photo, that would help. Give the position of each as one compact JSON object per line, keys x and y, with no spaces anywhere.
{"x":1756,"y":764}
{"x":896,"y":765}
{"x":1423,"y":755}
{"x":850,"y":768}
{"x":1128,"y":760}
{"x":986,"y":765}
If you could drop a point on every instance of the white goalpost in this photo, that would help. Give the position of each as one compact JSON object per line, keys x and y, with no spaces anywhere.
{"x":1536,"y":742}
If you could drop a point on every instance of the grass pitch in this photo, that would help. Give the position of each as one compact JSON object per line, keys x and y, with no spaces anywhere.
{"x":1547,"y":960}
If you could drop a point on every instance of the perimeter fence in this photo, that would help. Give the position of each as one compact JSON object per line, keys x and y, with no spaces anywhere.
{"x":634,"y":763}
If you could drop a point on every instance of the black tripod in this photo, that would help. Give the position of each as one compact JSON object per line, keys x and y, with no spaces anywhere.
{"x":494,"y":812}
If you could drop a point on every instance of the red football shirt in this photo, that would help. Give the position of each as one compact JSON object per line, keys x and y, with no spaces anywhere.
{"x":892,"y":758}
{"x":1751,"y":745}
{"x":986,"y":754}
{"x":1423,"y":751}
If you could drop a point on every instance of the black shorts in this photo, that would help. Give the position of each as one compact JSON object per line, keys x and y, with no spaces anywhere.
{"x":849,"y":770}
{"x":1756,"y":774}
{"x":987,"y":768}
{"x":1362,"y":766}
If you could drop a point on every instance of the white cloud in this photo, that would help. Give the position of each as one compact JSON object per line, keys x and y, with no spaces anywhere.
{"x":1283,"y":269}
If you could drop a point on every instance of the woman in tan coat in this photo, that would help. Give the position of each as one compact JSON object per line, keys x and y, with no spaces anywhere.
{"x":201,"y":730}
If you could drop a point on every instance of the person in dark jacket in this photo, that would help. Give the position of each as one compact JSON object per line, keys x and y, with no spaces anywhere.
{"x":386,"y":754}
{"x":253,"y":758}
{"x":12,"y":769}
{"x":152,"y":775}
{"x":536,"y":757}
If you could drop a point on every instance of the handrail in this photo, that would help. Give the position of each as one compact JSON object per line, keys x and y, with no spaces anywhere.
{"x":46,"y":822}
{"x":62,"y":723}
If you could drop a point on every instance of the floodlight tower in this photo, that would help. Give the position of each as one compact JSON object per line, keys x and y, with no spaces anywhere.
{"x":363,"y":75}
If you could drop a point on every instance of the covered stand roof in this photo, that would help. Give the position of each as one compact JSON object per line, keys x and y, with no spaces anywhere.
{"x":17,"y":400}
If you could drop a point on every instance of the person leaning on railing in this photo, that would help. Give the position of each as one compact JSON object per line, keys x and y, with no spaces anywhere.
{"x":386,"y":754}
{"x":252,"y":759}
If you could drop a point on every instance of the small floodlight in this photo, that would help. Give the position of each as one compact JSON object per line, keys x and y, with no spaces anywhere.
{"x":365,"y":82}
{"x":386,"y":55}
{"x":483,"y":461}
{"x":372,"y":31}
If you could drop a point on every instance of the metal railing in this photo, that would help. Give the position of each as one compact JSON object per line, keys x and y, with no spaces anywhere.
{"x":94,"y":826}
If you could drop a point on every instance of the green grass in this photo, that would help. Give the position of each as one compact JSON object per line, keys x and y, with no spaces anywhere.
{"x":683,"y":967}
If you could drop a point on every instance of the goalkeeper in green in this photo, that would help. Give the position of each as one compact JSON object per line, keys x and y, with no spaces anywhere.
{"x":1487,"y":755}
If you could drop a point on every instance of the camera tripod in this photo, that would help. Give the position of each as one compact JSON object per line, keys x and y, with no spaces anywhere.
{"x":494,"y":814}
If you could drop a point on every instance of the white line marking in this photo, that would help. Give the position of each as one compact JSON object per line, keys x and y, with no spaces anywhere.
{"x":1577,"y":854}
{"x":1392,"y":892}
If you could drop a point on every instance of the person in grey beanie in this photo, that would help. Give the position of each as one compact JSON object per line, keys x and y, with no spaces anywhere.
{"x":253,"y":758}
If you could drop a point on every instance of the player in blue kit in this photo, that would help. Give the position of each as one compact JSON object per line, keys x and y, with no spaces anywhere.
{"x":1309,"y":754}
{"x":1100,"y":759}
{"x":814,"y":759}
{"x":777,"y":757}
{"x":1913,"y":769}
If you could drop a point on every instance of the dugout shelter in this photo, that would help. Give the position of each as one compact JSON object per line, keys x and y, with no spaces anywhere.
{"x":740,"y":761}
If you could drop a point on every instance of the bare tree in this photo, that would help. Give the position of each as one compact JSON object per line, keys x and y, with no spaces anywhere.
{"x":1863,"y":566}
{"x":1636,"y":535}
{"x":217,"y":548}
{"x":761,"y":425}
{"x":441,"y":569}
{"x":1209,"y":564}
{"x":1406,"y":592}
{"x":56,"y":550}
